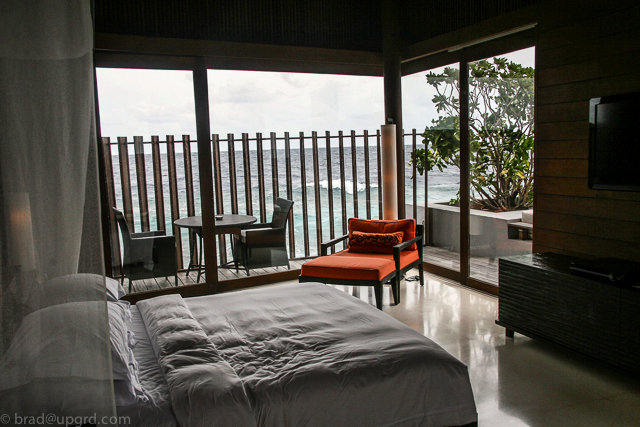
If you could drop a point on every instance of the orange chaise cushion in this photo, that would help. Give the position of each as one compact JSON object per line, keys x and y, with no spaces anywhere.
{"x":348,"y":268}
{"x":406,"y":226}
{"x":355,"y":266}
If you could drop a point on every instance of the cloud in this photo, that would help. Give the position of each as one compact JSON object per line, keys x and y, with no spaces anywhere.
{"x":160,"y":102}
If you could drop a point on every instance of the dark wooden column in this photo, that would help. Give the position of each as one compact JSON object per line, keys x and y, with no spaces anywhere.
{"x":465,"y":248}
{"x":201,"y":95}
{"x":392,"y":87}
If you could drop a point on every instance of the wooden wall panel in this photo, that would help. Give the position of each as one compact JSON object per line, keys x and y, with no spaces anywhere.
{"x":594,"y":51}
{"x":596,"y":207}
{"x":567,"y":112}
{"x":597,"y":247}
{"x":566,"y":168}
{"x":585,"y":90}
{"x":563,"y":130}
{"x":577,"y":187}
{"x":591,"y":20}
{"x":624,"y":231}
{"x":576,"y":149}
{"x":608,"y":66}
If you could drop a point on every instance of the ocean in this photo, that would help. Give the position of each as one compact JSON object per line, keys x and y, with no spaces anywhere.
{"x":441,"y":186}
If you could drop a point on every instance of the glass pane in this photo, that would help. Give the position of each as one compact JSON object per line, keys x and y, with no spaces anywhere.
{"x":149,"y":117}
{"x":501,"y":105}
{"x":431,"y":106}
{"x":309,"y":138}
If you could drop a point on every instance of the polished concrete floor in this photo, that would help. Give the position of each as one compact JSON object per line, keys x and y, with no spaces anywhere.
{"x":516,"y":381}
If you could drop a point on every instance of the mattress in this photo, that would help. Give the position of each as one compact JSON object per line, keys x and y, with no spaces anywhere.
{"x":292,"y":355}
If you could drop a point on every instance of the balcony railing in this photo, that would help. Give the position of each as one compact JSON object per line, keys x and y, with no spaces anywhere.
{"x":329,"y":177}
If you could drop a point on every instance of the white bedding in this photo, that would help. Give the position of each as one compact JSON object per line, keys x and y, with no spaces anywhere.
{"x":300,"y":355}
{"x":156,"y":412}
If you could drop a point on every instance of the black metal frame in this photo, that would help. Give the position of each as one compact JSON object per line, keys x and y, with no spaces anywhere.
{"x":396,"y":275}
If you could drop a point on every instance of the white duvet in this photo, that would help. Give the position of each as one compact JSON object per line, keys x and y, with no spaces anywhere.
{"x":301,"y":355}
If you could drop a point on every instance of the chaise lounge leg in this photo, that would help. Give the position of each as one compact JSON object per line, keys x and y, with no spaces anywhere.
{"x":395,"y":287}
{"x":377,"y":290}
{"x":421,"y":273}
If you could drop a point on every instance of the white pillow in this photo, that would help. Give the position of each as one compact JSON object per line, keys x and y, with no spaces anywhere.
{"x":58,"y":342}
{"x":125,"y":368}
{"x":115,"y":291}
{"x":79,"y":287}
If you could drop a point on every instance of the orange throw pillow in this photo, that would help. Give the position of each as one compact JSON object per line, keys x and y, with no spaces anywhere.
{"x":381,"y":243}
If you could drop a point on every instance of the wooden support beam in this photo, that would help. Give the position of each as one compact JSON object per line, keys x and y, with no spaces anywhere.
{"x":117,"y":50}
{"x":393,"y":88}
{"x":201,"y":95}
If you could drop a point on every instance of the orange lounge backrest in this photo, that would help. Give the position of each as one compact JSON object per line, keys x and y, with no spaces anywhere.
{"x":407,"y":226}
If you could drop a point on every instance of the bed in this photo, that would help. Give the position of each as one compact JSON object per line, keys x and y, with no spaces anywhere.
{"x":291,"y":355}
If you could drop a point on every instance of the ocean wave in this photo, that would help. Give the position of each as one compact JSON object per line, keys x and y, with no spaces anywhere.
{"x":348,"y":185}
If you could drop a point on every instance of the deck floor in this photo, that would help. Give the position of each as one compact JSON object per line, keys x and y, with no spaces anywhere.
{"x":184,"y":280}
{"x":484,"y":269}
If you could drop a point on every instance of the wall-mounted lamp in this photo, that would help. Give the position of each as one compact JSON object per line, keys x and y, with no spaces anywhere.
{"x":389,"y":172}
{"x":22,"y":250}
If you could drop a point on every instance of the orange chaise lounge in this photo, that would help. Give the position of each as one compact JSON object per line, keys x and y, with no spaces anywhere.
{"x":379,"y":251}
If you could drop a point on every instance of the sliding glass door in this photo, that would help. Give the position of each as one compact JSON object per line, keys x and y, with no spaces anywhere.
{"x":475,"y":163}
{"x":501,"y":105}
{"x":430,"y":106}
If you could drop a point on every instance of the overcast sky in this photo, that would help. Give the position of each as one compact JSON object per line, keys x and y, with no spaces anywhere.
{"x":160,"y":102}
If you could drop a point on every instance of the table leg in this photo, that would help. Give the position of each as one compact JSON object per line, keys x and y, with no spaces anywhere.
{"x":190,"y":259}
{"x":200,"y":258}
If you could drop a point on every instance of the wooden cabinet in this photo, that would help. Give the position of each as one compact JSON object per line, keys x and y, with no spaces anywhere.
{"x":542,"y":298}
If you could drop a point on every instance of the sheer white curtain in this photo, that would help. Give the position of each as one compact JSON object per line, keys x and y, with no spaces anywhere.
{"x":54,"y":347}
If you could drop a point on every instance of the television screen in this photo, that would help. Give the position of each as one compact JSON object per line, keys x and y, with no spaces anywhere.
{"x":614,"y":142}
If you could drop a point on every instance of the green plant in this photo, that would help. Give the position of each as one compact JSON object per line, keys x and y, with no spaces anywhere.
{"x":500,"y":132}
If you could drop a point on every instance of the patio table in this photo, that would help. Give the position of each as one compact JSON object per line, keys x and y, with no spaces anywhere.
{"x":225,"y":224}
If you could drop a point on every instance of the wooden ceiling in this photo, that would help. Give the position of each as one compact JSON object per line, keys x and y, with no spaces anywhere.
{"x":333,"y":24}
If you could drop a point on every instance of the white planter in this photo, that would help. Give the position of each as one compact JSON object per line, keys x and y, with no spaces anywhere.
{"x":489,"y":234}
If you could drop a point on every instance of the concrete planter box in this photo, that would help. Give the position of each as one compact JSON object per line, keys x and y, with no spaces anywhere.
{"x":489,"y":231}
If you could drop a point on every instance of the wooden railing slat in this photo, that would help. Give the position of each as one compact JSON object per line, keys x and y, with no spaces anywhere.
{"x":217,"y":177}
{"x":125,"y":180}
{"x":173,"y":196}
{"x":378,"y":141}
{"x":157,"y":183}
{"x":141,"y":175}
{"x":188,"y":175}
{"x":191,"y":208}
{"x":261,"y":189}
{"x":367,"y":172}
{"x":414,"y":176}
{"x":316,"y":189}
{"x":287,"y":153}
{"x":303,"y":182}
{"x":332,"y":221}
{"x":343,"y":196}
{"x":233,"y":182}
{"x":274,"y":167}
{"x":247,"y":174}
{"x":354,"y":174}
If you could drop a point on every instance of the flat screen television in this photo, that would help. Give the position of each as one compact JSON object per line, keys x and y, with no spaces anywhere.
{"x":614,"y":142}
